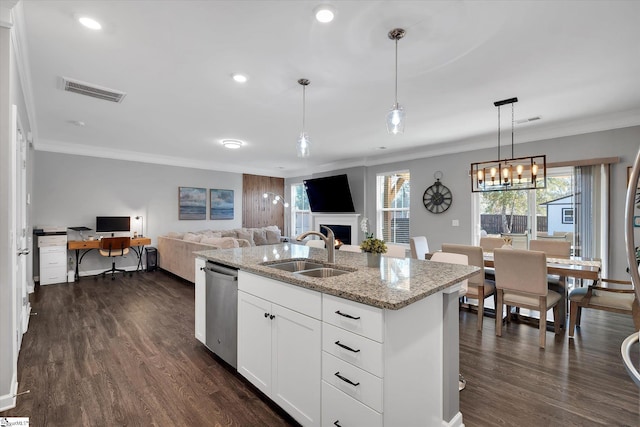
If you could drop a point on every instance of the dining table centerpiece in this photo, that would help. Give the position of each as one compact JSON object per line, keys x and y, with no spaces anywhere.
{"x":374,"y":248}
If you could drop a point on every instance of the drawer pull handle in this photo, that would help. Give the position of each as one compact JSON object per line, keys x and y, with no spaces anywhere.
{"x":347,"y":315}
{"x":337,"y":423}
{"x":346,"y":347}
{"x":346,"y":380}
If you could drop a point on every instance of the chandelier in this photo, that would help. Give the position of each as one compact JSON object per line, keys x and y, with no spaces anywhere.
{"x":395,"y":117}
{"x":515,"y":173}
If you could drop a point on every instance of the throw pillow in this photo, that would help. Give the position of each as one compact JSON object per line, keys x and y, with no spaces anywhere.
{"x":228,"y":233}
{"x":221,"y":242}
{"x":260,"y":236}
{"x":273,"y":237}
{"x":190,"y":237}
{"x":175,"y":234}
{"x":246,"y":235}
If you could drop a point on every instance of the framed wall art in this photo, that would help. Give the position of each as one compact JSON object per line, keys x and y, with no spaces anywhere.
{"x":221,"y":204}
{"x":192,"y":203}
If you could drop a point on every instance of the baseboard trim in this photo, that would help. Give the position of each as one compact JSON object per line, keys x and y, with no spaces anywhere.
{"x":8,"y":401}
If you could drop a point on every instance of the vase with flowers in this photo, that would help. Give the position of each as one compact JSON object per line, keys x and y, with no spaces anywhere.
{"x":371,"y":246}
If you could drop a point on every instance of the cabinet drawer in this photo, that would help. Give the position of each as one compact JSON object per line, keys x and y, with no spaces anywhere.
{"x":54,"y":250}
{"x":298,"y":299}
{"x":353,"y":316}
{"x":46,"y":241}
{"x":361,"y":352}
{"x":53,"y":275}
{"x":355,"y":382}
{"x":52,"y":260}
{"x":338,"y":409}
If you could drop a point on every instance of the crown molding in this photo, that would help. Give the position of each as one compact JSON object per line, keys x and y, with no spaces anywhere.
{"x":135,"y":156}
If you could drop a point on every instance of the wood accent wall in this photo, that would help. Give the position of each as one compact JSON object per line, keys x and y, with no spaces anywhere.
{"x":256,"y":210}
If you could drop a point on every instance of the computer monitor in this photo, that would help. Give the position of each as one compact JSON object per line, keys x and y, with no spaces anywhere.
{"x":111,"y":224}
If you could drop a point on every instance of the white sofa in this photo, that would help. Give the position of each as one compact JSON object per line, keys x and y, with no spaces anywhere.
{"x":176,"y":249}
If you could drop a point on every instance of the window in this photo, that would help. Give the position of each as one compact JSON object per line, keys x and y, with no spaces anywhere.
{"x":392,"y":207}
{"x":567,"y":215}
{"x":300,"y":210}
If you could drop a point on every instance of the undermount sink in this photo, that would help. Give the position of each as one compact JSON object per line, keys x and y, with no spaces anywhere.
{"x":297,"y":265}
{"x":322,"y":272}
{"x":309,"y":268}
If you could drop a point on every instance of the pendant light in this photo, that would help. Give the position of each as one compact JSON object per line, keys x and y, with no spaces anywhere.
{"x":521,"y":173}
{"x":304,"y":143}
{"x":395,"y":117}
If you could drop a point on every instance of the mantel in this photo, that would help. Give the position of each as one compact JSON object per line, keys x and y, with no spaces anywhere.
{"x":350,"y":219}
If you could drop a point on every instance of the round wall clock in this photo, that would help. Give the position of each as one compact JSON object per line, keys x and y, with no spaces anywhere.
{"x":438,"y":197}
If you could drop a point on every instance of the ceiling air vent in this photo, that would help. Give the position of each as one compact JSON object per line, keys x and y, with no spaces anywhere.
{"x":530,"y":119}
{"x":94,"y":91}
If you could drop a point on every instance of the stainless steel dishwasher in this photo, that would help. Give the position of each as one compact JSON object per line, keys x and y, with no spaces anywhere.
{"x":221,"y":294}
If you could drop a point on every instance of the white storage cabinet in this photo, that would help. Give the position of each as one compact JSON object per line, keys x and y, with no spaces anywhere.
{"x":53,"y":259}
{"x":279,"y":344}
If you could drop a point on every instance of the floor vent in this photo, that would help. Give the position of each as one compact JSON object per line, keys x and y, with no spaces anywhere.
{"x":92,"y":90}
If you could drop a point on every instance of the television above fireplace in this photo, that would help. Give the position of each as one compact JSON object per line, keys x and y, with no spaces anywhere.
{"x":330,"y":194}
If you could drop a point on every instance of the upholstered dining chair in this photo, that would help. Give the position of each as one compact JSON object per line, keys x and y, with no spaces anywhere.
{"x":113,"y":247}
{"x":419,"y":247}
{"x":454,"y":258}
{"x":315,"y":243}
{"x":488,"y":244}
{"x":521,"y":281}
{"x":478,"y":287}
{"x":395,"y":251}
{"x":551,"y":247}
{"x":617,"y":300}
{"x":350,"y":248}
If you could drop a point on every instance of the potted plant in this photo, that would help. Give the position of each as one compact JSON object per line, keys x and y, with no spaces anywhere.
{"x":371,"y":246}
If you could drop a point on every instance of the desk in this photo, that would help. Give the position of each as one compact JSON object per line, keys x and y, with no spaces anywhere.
{"x":578,"y":267}
{"x":137,"y":246}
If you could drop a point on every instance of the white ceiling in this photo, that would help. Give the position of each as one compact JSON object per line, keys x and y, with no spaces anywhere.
{"x":574,"y":64}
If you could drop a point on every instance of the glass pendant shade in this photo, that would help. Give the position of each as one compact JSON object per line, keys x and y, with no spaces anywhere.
{"x":395,"y":120}
{"x":304,"y":145}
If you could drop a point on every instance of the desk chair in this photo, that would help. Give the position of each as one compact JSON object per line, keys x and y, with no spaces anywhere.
{"x":113,"y":247}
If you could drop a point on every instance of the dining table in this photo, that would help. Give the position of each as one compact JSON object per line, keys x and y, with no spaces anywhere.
{"x":577,"y":267}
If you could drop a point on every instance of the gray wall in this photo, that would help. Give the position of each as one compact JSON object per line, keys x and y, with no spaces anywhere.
{"x":623,"y":143}
{"x":72,"y":190}
{"x":357,"y":177}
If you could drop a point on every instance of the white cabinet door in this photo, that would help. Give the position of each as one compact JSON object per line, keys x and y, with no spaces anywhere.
{"x":254,"y":340}
{"x":200,"y":300}
{"x":296,"y":354}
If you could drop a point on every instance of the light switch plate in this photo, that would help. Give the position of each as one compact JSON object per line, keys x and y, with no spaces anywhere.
{"x":455,"y":223}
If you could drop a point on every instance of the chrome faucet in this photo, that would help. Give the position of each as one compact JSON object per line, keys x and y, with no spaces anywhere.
{"x":329,"y":242}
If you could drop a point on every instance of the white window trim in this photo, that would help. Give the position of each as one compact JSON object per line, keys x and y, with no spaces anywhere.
{"x":380,"y":210}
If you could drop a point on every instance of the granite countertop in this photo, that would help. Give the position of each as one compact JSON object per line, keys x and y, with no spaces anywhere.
{"x":396,"y":284}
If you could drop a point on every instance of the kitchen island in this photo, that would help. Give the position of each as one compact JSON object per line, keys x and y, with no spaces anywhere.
{"x":372,"y":346}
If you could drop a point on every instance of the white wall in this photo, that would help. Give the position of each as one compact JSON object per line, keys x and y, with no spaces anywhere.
{"x":72,"y":190}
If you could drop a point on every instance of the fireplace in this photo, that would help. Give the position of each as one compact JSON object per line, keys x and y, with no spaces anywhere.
{"x":342,"y":223}
{"x":341,"y":232}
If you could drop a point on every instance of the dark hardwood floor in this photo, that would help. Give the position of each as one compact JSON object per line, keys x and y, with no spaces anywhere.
{"x":102,"y":352}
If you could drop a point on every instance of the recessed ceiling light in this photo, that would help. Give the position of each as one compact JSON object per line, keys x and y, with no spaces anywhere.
{"x":232,"y":144}
{"x":240,"y":78}
{"x":78,"y":123}
{"x":324,"y":13}
{"x":90,"y":23}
